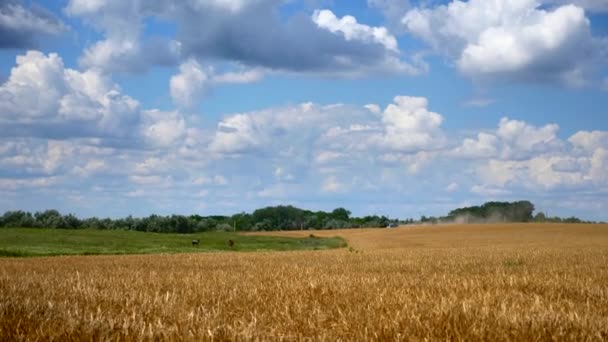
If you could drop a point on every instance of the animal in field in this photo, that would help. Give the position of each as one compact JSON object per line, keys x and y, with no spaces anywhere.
{"x":230,"y":243}
{"x":195,"y":242}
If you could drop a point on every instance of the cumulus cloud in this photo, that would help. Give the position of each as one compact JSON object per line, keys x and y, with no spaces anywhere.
{"x":541,"y":173}
{"x":163,"y":129}
{"x":129,"y":54}
{"x":512,"y":40}
{"x":192,"y":81}
{"x":374,"y":108}
{"x":589,"y":141}
{"x":513,"y":139}
{"x":521,"y":139}
{"x":405,"y":126}
{"x":352,"y":30}
{"x":336,"y":143}
{"x":123,"y":48}
{"x":250,"y":33}
{"x":22,"y":27}
{"x":84,"y":136}
{"x":410,"y":126}
{"x":519,"y":157}
{"x":34,"y":158}
{"x":73,"y":104}
{"x":486,"y":145}
{"x":579,"y":164}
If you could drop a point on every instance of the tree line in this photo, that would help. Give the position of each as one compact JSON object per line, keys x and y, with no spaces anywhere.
{"x":265,"y":219}
{"x":494,"y":212}
{"x":520,"y":211}
{"x":276,"y":218}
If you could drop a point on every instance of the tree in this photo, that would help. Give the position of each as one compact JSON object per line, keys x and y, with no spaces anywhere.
{"x":540,"y":217}
{"x":340,"y":214}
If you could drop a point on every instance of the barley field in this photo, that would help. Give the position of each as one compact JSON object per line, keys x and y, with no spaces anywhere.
{"x":518,"y":282}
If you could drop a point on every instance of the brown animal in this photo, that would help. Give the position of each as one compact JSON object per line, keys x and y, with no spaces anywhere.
{"x":230,"y":243}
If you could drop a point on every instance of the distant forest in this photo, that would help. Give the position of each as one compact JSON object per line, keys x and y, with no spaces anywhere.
{"x":277,"y":218}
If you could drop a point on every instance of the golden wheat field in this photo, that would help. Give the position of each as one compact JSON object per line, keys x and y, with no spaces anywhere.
{"x":519,"y":282}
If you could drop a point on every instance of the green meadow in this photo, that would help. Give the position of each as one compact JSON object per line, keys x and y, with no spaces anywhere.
{"x":23,"y":242}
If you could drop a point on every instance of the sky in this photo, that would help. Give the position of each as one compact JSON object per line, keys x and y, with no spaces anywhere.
{"x":402,"y":108}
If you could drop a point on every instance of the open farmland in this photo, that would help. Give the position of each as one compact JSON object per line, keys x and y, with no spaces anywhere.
{"x":494,"y":282}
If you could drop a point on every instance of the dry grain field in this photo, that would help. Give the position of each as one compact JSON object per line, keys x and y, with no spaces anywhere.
{"x":520,"y":282}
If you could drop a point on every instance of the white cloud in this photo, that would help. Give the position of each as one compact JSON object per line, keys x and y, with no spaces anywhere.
{"x":108,"y":147}
{"x":521,"y":139}
{"x":64,"y":95}
{"x":123,"y":48}
{"x":410,"y":126}
{"x":35,"y":76}
{"x":271,"y":129}
{"x":192,"y":82}
{"x":237,"y":134}
{"x":164,"y":129}
{"x":513,"y":139}
{"x":374,"y":108}
{"x":598,"y":170}
{"x":539,"y":173}
{"x":352,"y":30}
{"x":589,"y":141}
{"x":406,"y":126}
{"x":31,"y":158}
{"x":72,"y":104}
{"x":486,"y":145}
{"x":579,"y":163}
{"x":189,"y":84}
{"x":129,"y":54}
{"x":512,"y":40}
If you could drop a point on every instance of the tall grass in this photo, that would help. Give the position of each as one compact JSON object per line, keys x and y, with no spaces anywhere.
{"x":448,"y":283}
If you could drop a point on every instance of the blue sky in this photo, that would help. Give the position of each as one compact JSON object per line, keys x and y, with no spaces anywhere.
{"x":392,"y":107}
